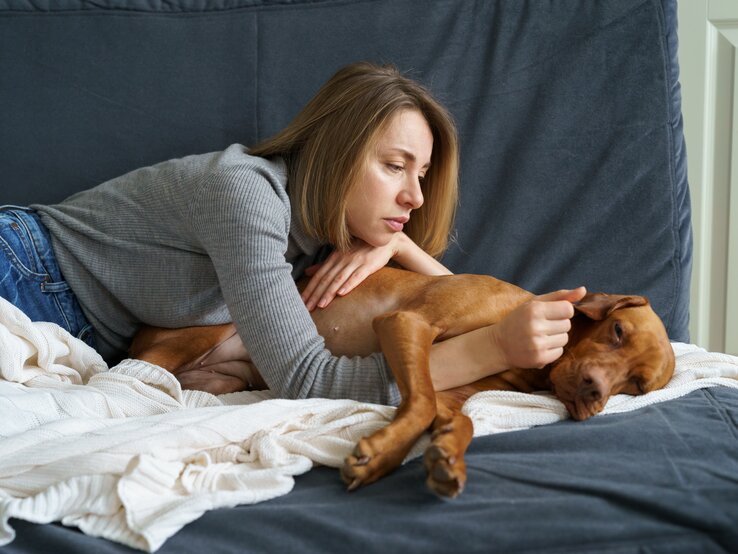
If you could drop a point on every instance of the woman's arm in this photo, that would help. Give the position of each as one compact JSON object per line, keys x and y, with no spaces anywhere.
{"x":410,"y":256}
{"x":342,"y":272}
{"x":531,"y":336}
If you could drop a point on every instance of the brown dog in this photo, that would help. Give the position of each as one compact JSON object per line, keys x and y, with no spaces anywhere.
{"x":617,"y":344}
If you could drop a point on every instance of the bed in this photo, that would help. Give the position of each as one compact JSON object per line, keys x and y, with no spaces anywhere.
{"x":573,"y":171}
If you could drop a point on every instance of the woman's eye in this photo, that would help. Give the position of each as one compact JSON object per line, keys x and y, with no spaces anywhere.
{"x":395,"y":168}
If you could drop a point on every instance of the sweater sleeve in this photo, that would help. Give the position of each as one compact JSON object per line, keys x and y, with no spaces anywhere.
{"x":242,"y":218}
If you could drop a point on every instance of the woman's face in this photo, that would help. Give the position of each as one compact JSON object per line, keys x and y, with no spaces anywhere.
{"x":388,"y":188}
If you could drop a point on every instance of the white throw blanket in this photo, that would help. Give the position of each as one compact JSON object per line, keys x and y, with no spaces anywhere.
{"x":126,"y":454}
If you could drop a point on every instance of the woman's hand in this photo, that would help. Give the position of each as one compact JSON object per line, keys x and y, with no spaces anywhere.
{"x":341,"y":272}
{"x":535,"y":333}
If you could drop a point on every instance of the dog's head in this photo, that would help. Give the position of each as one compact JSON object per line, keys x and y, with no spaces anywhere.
{"x":617,"y":344}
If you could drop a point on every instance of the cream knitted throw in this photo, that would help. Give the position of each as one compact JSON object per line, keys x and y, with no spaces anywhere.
{"x":127,"y":455}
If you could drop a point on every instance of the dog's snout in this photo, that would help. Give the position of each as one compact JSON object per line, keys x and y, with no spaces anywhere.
{"x":590,"y":390}
{"x":594,"y":386}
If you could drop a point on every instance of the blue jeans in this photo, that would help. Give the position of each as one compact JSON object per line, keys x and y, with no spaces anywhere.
{"x":30,"y":277}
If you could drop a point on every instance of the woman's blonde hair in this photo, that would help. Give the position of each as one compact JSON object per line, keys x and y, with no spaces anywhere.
{"x":326,"y":145}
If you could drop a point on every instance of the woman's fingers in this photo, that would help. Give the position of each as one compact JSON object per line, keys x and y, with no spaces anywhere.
{"x":342,"y":272}
{"x":333,"y":283}
{"x":314,"y":289}
{"x":311,"y":270}
{"x":550,"y":356}
{"x":325,"y":282}
{"x":568,"y":295}
{"x":555,"y":327}
{"x":558,"y":340}
{"x":535,"y":334}
{"x":354,"y":280}
{"x":315,"y":277}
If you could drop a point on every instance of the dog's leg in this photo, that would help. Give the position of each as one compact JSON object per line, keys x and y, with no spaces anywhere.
{"x":207,"y":358}
{"x":406,"y":339}
{"x":452,"y":433}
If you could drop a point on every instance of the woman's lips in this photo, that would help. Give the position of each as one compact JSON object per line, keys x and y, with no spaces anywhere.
{"x":396,"y":223}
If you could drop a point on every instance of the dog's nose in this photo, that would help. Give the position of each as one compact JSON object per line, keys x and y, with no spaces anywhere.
{"x":594,"y":386}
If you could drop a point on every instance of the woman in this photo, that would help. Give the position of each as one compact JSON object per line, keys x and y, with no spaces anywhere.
{"x":369,"y":166}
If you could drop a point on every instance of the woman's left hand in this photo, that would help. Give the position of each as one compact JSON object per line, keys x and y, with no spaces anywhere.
{"x":341,"y":272}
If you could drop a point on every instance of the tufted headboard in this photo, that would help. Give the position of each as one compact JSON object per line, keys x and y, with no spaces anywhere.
{"x":573,"y":167}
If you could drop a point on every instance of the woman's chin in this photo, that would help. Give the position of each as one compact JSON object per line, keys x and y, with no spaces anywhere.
{"x":377,"y":240}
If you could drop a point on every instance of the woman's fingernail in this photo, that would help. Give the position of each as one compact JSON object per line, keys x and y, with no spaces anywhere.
{"x":342,"y":291}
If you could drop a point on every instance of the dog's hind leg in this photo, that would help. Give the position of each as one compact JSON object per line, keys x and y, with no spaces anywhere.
{"x":406,"y":339}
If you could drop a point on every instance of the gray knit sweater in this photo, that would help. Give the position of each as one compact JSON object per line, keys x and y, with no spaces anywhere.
{"x":204,"y":240}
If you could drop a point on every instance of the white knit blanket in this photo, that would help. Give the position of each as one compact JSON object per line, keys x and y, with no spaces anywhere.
{"x":124,"y":453}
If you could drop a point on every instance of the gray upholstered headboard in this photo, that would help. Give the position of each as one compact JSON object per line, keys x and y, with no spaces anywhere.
{"x":573,"y":162}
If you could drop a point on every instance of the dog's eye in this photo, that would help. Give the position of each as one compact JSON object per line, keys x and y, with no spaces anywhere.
{"x":617,"y":332}
{"x":638,"y":383}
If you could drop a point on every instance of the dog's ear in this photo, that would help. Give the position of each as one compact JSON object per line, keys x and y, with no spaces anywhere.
{"x":598,"y":305}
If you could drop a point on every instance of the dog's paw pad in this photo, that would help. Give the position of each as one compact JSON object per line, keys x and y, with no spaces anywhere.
{"x":446,"y":489}
{"x":434,"y":453}
{"x":445,"y":480}
{"x":445,"y":477}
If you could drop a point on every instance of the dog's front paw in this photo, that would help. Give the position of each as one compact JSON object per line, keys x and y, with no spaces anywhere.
{"x":444,"y":461}
{"x":358,"y":468}
{"x":369,"y":463}
{"x":446,"y":472}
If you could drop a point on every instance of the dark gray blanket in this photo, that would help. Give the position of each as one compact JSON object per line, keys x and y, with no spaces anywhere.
{"x":663,"y":479}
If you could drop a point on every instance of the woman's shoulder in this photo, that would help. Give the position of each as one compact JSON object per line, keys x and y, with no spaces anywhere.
{"x":237,"y":156}
{"x":234,"y":168}
{"x":237,"y":186}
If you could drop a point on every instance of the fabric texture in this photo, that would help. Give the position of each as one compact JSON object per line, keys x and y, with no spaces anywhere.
{"x":127,"y":455}
{"x":204,"y":240}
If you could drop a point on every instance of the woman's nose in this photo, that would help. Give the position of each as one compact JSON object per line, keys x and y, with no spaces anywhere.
{"x":411,"y":195}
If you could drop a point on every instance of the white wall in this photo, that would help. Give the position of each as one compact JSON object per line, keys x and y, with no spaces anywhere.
{"x":708,"y":37}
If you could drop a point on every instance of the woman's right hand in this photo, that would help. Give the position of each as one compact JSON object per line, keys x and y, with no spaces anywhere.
{"x":341,"y":272}
{"x":534,"y":334}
